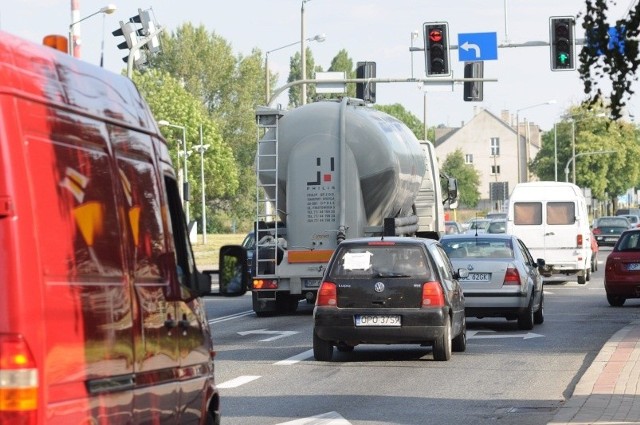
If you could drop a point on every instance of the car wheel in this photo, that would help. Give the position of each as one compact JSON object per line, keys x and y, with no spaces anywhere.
{"x":322,"y":350}
{"x":459,"y":343}
{"x":582,"y":279}
{"x":538,"y":316}
{"x":616,"y":300}
{"x":442,"y":345}
{"x":344,"y":348}
{"x":525,"y":319}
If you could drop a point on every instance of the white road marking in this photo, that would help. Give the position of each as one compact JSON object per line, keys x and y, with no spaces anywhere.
{"x":295,"y":359}
{"x":240,"y":380}
{"x":230,"y":317}
{"x":474,"y":335}
{"x":330,"y":418}
{"x":277,"y":334}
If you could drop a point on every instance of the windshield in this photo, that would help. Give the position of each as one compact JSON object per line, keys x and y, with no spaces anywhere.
{"x":478,"y":248}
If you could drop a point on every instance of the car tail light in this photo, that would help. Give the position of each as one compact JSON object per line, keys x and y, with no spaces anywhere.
{"x":18,"y":381}
{"x":327,"y":295}
{"x":596,"y":231}
{"x":512,"y":277}
{"x":432,"y":295}
{"x":579,"y":241}
{"x":265,"y":283}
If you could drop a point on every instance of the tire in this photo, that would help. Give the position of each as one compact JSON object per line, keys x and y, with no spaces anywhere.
{"x":322,"y":350}
{"x":442,"y":346}
{"x":594,"y":263}
{"x":538,"y":316}
{"x":344,"y":348}
{"x":616,"y":300}
{"x":582,"y":279}
{"x":588,"y":274}
{"x":525,"y":319}
{"x":459,"y":343}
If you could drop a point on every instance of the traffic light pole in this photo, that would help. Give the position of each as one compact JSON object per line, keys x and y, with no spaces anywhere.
{"x":137,"y":47}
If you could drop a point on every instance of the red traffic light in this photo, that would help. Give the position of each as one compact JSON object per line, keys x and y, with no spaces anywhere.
{"x":435,"y":35}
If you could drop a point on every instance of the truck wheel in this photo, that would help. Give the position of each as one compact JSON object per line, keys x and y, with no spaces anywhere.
{"x":525,"y":319}
{"x":459,"y":343}
{"x":322,"y":350}
{"x":442,"y":346}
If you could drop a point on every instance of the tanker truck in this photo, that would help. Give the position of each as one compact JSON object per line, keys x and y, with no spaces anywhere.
{"x":329,"y":171}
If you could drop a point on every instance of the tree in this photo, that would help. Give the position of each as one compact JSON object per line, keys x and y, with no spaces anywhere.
{"x":467,"y":176}
{"x":230,"y":87}
{"x":169,"y":101}
{"x":604,"y":56}
{"x":295,"y":74}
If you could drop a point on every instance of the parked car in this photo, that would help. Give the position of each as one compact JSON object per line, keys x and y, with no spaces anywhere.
{"x":504,"y":280}
{"x":622,"y":269}
{"x":453,"y":227}
{"x":390,"y":290}
{"x":497,"y":215}
{"x":497,"y":226}
{"x":478,"y":225}
{"x":608,"y":229}
{"x":634,"y":220}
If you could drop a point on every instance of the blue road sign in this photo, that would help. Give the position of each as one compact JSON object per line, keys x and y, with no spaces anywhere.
{"x":479,"y":46}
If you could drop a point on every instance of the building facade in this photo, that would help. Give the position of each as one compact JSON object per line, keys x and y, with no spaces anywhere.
{"x":490,"y":144}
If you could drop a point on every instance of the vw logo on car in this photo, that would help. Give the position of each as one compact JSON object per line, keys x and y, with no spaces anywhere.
{"x":378,"y":287}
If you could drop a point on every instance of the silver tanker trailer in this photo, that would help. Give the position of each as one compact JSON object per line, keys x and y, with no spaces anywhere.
{"x":330,"y":171}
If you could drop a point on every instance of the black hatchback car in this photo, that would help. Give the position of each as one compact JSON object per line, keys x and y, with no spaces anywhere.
{"x":389,"y":291}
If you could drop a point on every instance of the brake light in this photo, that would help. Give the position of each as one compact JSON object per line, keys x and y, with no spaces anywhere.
{"x":18,"y":381}
{"x":265,"y":284}
{"x":327,"y":295}
{"x":432,"y":295}
{"x":579,"y":241}
{"x":512,"y":277}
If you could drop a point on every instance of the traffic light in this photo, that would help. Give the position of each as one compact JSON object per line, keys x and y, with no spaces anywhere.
{"x":148,"y":27}
{"x":563,"y":43}
{"x":366,"y":91}
{"x":473,"y":89}
{"x":436,"y":36}
{"x":130,"y":33}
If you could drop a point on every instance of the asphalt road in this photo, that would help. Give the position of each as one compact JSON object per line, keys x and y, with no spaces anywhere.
{"x":267,"y":375}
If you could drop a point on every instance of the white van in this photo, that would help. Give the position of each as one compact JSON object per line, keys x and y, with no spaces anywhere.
{"x":552,"y":219}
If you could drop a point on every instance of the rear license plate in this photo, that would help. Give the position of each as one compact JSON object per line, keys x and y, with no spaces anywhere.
{"x":477,"y":277}
{"x":311,"y":283}
{"x":633,"y":266}
{"x":610,"y":239}
{"x":377,"y":320}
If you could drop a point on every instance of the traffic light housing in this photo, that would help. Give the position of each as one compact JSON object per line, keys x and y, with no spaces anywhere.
{"x":473,"y":89}
{"x":563,"y":43}
{"x":366,"y":91}
{"x":129,"y":31}
{"x":148,"y":27}
{"x":436,"y":39}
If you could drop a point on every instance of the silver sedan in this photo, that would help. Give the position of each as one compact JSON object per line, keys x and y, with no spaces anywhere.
{"x":504,"y":279}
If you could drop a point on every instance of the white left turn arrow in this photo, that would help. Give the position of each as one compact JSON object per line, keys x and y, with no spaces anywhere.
{"x":475,"y":335}
{"x":277,"y":334}
{"x":330,"y":418}
{"x":468,"y":46}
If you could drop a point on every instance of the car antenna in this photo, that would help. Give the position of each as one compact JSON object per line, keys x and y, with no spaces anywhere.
{"x":476,"y":224}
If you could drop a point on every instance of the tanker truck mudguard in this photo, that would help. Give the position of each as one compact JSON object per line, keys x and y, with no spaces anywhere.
{"x":330,"y":171}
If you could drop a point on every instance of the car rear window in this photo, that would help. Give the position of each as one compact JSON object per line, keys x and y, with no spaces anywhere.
{"x":629,"y":242}
{"x":612,"y":222}
{"x":380,"y":261}
{"x":478,"y":248}
{"x":527,"y":213}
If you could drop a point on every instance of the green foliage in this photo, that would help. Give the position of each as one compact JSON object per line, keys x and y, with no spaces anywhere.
{"x":467,"y":176}
{"x":599,"y":61}
{"x":400,"y":112}
{"x":295,"y":74}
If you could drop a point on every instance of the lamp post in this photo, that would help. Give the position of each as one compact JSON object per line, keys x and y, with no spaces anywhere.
{"x":74,"y":32}
{"x":183,"y":178}
{"x":573,"y":138}
{"x":573,"y":160}
{"x":518,"y":142}
{"x":319,"y":38}
{"x":201,"y":148}
{"x":303,"y":56}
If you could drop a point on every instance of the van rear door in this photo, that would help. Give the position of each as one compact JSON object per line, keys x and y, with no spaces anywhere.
{"x":528,"y":225}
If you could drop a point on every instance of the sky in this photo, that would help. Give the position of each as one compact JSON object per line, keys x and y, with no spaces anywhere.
{"x":369,"y":30}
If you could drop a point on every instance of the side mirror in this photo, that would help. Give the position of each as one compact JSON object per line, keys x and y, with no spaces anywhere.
{"x":233,"y":275}
{"x":541,"y":263}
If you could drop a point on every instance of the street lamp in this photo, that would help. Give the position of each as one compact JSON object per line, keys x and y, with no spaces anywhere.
{"x":518,"y":141}
{"x":573,"y":159}
{"x":74,"y":33}
{"x":183,"y":178}
{"x":319,"y":38}
{"x":303,"y":56}
{"x":201,"y":148}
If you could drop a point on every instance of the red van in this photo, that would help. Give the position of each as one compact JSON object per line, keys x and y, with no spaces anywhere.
{"x":100,"y":316}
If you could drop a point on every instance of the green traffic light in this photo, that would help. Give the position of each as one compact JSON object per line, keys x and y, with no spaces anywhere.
{"x":563,"y":58}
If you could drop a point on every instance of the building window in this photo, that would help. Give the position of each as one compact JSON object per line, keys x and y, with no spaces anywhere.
{"x":495,"y":146}
{"x":468,"y":159}
{"x":495,"y":169}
